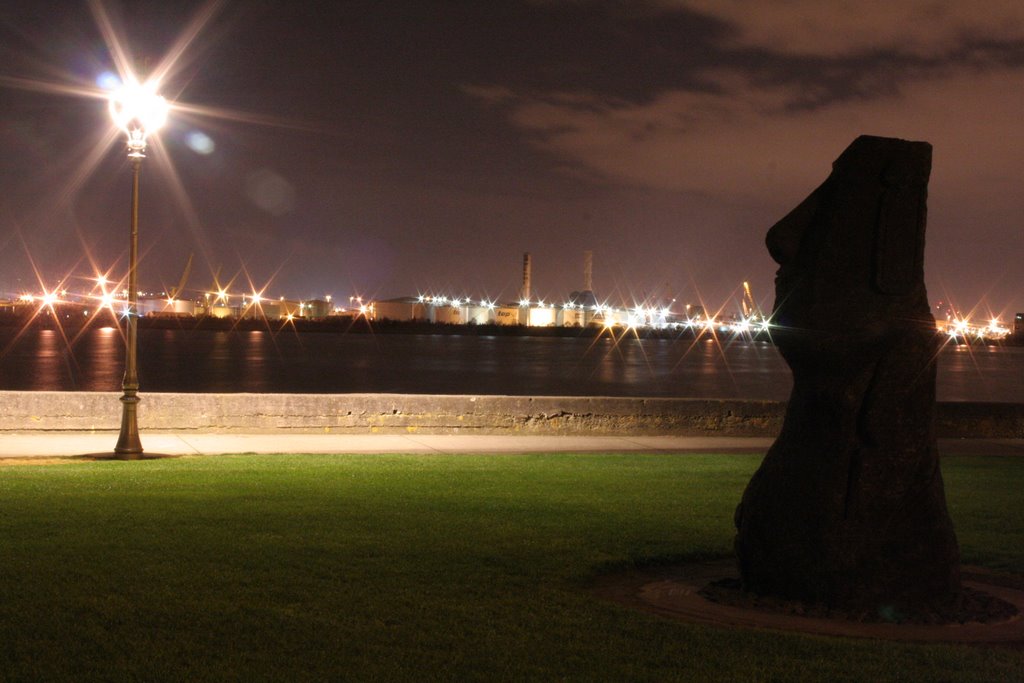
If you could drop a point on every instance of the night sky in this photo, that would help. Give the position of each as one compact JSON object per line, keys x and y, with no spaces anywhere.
{"x":387,"y":147}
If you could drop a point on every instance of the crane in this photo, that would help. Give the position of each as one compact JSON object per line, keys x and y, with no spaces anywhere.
{"x":173,"y":294}
{"x":750,"y":307}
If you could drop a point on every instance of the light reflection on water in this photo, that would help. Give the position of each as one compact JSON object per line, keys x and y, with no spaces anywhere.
{"x":262,"y":361}
{"x":95,"y":363}
{"x":48,"y":365}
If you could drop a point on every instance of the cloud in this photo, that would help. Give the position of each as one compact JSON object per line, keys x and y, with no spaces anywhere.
{"x":488,"y":94}
{"x":745,"y":140}
{"x":924,"y":28}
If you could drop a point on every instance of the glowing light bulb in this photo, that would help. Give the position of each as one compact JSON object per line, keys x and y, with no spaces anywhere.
{"x":139,"y":111}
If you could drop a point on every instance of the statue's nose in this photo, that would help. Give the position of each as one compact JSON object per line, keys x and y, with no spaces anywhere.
{"x":784,"y":237}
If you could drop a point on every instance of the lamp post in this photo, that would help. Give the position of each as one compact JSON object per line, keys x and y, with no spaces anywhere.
{"x":138,"y":111}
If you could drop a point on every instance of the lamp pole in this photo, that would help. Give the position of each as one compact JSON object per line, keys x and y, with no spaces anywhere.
{"x":139,"y":111}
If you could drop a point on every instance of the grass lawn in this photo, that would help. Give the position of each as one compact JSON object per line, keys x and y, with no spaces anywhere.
{"x":411,"y":567}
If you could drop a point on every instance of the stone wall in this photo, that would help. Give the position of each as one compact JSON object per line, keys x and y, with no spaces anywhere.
{"x":27,"y":411}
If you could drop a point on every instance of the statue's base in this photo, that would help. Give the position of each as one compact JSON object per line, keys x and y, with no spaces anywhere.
{"x":708,"y":593}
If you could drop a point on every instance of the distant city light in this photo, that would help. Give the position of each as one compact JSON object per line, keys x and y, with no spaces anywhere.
{"x":957,"y":327}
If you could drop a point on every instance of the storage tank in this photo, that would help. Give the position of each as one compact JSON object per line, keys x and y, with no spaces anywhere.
{"x":447,"y":315}
{"x":222,"y":311}
{"x":400,"y":309}
{"x":161,"y":306}
{"x":571,"y":317}
{"x":507,"y":315}
{"x":480,"y":315}
{"x":542,"y":316}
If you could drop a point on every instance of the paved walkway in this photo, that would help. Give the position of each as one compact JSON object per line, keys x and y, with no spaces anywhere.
{"x":67,"y":444}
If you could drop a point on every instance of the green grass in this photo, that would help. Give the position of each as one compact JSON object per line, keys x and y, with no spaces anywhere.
{"x":414,"y":567}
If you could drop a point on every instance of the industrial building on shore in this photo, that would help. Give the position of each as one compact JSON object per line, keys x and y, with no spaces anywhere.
{"x":580,"y":310}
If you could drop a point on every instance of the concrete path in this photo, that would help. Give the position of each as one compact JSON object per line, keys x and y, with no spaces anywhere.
{"x":68,"y":444}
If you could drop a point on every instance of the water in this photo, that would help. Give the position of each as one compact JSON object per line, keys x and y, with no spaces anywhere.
{"x":261,"y":361}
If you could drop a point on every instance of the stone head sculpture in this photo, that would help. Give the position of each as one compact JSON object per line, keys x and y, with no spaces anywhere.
{"x":848,"y":506}
{"x":851,"y":255}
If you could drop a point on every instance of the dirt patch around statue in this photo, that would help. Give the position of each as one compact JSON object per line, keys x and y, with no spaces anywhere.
{"x":990,"y":613}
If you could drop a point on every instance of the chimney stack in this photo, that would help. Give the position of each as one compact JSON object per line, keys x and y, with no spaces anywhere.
{"x":588,"y":271}
{"x":525,"y":293}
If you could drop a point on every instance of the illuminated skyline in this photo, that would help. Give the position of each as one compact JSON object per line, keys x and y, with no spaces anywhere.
{"x":393,"y":147}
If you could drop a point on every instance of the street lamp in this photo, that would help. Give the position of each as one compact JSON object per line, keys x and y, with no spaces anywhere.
{"x":138,"y":111}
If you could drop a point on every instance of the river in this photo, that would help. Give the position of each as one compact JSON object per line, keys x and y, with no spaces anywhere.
{"x":179,"y":360}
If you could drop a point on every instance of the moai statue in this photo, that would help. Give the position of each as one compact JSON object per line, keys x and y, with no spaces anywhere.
{"x":848,"y":508}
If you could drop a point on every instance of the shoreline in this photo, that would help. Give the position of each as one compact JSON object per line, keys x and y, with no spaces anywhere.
{"x":360,"y":325}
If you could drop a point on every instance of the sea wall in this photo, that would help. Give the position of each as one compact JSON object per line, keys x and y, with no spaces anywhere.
{"x":30,"y":411}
